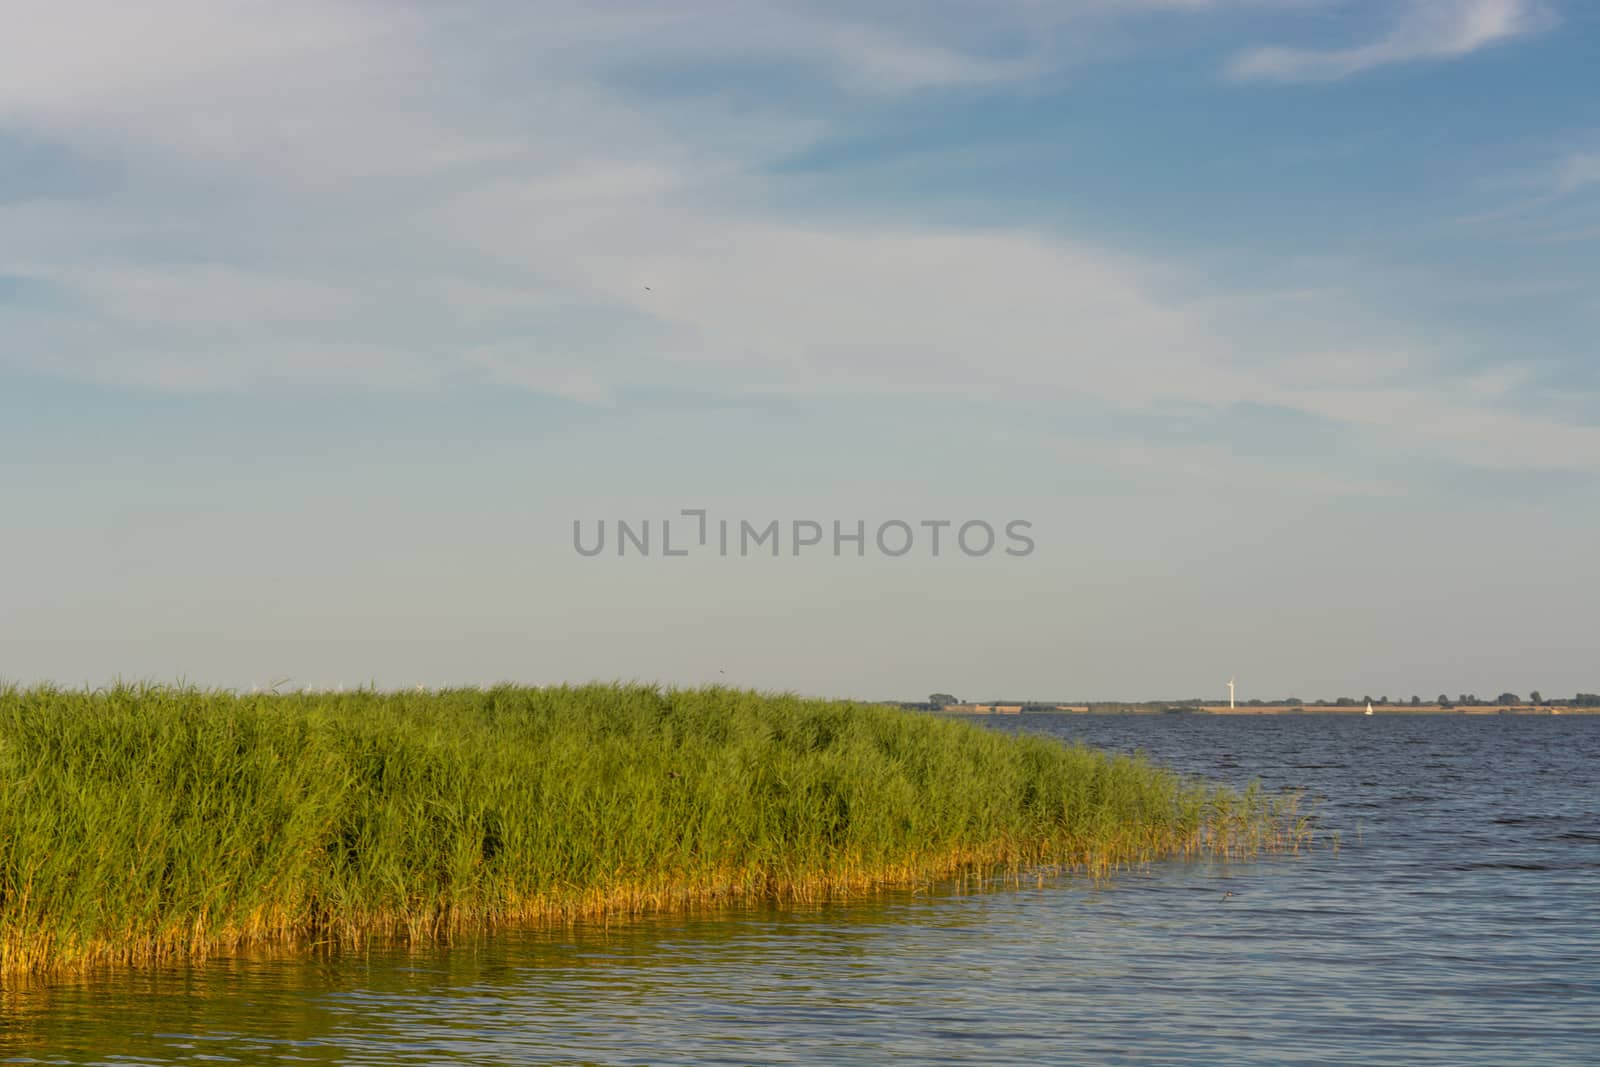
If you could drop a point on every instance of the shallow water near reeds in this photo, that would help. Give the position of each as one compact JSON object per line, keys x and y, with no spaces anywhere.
{"x":1458,"y":922}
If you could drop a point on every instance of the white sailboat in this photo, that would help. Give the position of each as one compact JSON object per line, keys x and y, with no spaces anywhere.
{"x":1369,"y":707}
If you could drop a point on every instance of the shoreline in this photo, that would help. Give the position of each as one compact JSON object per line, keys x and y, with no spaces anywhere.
{"x":1294,"y":709}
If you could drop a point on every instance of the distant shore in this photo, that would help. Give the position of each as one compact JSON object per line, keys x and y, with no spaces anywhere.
{"x":1317,"y":709}
{"x":1395,"y":709}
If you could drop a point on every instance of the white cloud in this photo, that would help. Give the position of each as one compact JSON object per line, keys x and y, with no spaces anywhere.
{"x":1458,"y":422}
{"x":401,"y":197}
{"x":1427,"y":30}
{"x":1556,"y":205}
{"x":1579,"y":171}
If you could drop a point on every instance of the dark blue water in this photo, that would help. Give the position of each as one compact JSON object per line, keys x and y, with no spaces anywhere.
{"x":1458,"y":922}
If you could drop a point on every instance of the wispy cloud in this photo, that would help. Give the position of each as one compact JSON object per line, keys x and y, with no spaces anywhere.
{"x":1427,"y":30}
{"x":1580,"y":170}
{"x":1554,"y":204}
{"x":404,"y":197}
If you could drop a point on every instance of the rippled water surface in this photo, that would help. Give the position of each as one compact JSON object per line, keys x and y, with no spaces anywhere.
{"x":1458,"y":923}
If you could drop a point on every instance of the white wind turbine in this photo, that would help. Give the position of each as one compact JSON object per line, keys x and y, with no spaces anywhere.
{"x":1230,"y":694}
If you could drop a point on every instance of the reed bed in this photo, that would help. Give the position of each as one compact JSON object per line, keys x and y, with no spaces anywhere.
{"x":144,"y":824}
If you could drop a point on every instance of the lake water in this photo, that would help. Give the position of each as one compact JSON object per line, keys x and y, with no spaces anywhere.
{"x":1458,"y":923}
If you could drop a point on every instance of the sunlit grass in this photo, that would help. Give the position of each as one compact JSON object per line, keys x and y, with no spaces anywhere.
{"x":141,"y":824}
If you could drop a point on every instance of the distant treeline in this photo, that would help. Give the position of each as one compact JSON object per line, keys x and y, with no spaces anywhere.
{"x":1464,"y":700}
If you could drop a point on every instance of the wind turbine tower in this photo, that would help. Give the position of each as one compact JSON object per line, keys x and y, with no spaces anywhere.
{"x":1230,"y":694}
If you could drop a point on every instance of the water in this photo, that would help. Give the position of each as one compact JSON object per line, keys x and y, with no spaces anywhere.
{"x":1458,"y":923}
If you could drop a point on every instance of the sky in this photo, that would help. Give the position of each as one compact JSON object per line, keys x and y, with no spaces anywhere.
{"x":1272,"y":322}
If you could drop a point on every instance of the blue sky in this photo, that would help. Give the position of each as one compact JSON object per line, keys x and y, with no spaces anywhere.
{"x":320,"y":324}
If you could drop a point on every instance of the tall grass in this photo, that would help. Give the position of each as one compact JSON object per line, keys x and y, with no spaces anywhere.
{"x":140,"y":824}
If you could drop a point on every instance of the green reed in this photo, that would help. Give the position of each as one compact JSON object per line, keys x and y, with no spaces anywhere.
{"x":139,"y":824}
